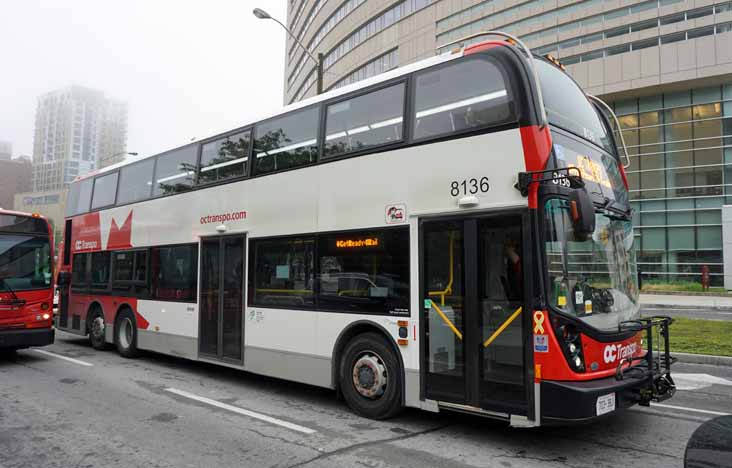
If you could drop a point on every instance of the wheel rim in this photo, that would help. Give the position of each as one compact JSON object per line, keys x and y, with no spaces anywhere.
{"x":97,"y":329}
{"x":125,"y":333}
{"x":369,"y":375}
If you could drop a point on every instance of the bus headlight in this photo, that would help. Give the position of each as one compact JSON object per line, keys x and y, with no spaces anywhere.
{"x":578,"y":362}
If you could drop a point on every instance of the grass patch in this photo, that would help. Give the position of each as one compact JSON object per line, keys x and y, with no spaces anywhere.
{"x":650,"y":286}
{"x":701,"y":336}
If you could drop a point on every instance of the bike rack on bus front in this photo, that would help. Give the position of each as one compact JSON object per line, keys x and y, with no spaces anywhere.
{"x":661,"y":385}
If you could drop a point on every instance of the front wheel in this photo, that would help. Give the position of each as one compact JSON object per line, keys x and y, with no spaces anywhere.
{"x":370,"y":379}
{"x":125,"y":334}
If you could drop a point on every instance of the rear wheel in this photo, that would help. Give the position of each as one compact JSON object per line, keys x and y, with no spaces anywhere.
{"x":125,"y":334}
{"x":370,"y":379}
{"x":96,"y":328}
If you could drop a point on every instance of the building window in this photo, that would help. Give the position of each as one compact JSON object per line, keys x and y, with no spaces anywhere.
{"x":287,"y":141}
{"x":175,"y":273}
{"x":365,"y":272}
{"x":365,"y":121}
{"x":284,"y":272}
{"x":224,"y":158}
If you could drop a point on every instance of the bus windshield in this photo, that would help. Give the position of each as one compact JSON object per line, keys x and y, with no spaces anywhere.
{"x":594,"y":279}
{"x":25,"y":262}
{"x":567,"y":106}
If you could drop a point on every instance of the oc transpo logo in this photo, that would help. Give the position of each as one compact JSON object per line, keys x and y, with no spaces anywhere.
{"x":85,"y":245}
{"x":614,"y":352}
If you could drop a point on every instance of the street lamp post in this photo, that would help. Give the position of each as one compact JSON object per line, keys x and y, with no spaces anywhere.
{"x":261,"y":14}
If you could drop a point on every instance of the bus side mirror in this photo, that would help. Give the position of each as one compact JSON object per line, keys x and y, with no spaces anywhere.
{"x":582,"y":212}
{"x":64,"y":278}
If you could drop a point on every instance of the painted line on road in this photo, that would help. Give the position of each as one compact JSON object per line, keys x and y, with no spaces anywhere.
{"x":75,"y":361}
{"x":242,"y":411}
{"x":683,"y":408}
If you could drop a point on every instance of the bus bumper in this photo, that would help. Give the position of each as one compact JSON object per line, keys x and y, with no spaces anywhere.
{"x":24,"y":338}
{"x":578,"y":402}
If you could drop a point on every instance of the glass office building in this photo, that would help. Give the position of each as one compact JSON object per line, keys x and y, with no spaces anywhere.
{"x":680,"y":146}
{"x":664,"y":65}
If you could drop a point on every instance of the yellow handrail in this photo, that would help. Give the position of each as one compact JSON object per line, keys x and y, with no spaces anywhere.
{"x":447,"y":321}
{"x":448,"y":289}
{"x":502,"y":327}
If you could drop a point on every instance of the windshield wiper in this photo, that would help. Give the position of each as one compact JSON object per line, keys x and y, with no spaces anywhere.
{"x":614,"y":212}
{"x":16,"y":300}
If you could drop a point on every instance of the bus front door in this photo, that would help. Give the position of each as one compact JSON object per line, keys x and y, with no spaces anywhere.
{"x":473,"y":344}
{"x":222,"y":298}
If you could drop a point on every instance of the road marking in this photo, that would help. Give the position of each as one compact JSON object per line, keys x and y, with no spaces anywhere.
{"x":697,"y":381}
{"x":75,"y":361}
{"x":683,"y":408}
{"x":242,"y":411}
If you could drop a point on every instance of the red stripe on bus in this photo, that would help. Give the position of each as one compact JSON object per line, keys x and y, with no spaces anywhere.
{"x":537,"y":144}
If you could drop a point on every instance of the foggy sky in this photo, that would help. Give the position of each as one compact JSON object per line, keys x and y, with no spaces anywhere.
{"x":187,"y":68}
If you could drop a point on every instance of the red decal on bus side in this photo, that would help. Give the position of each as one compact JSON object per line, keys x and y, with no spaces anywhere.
{"x":85,"y":233}
{"x":141,"y":322}
{"x":120,"y":237}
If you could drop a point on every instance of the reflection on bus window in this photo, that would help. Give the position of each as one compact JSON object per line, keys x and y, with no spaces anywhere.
{"x":24,"y":263}
{"x":224,"y":158}
{"x":100,"y":270}
{"x":284,"y":272}
{"x":364,"y":271}
{"x":450,"y":99}
{"x":105,"y":189}
{"x":287,"y":141}
{"x":175,"y":171}
{"x":135,"y":181}
{"x":174,"y":272}
{"x":365,"y":121}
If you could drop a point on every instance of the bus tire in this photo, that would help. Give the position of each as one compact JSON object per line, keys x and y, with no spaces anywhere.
{"x":125,"y":334}
{"x":370,"y":380}
{"x":96,"y":326}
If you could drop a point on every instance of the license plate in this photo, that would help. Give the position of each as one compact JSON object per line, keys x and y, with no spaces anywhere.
{"x":605,"y":404}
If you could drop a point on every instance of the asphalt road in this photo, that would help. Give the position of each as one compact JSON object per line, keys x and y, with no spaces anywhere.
{"x":101,"y":410}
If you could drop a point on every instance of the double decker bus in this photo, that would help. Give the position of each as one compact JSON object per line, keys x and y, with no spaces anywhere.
{"x":454,"y":234}
{"x":26,"y":281}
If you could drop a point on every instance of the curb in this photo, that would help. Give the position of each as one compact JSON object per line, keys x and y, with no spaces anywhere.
{"x":686,"y":307}
{"x":703,"y":359}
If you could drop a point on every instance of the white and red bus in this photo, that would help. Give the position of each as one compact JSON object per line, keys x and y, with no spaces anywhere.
{"x":26,"y":281}
{"x":438,"y":237}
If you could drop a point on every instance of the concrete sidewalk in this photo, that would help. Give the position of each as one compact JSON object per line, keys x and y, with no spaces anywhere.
{"x":686,"y":302}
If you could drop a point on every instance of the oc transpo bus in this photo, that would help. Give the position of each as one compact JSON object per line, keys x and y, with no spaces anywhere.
{"x":439,"y":236}
{"x":26,"y":281}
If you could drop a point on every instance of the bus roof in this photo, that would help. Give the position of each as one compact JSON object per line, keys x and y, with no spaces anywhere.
{"x":21,"y":213}
{"x":395,"y":73}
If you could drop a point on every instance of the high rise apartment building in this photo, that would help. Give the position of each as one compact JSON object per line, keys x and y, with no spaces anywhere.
{"x":665,"y":67}
{"x":15,"y":177}
{"x":6,"y":150}
{"x":77,"y":130}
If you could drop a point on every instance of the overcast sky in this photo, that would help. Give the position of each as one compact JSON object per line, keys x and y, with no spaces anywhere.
{"x":186,"y":68}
